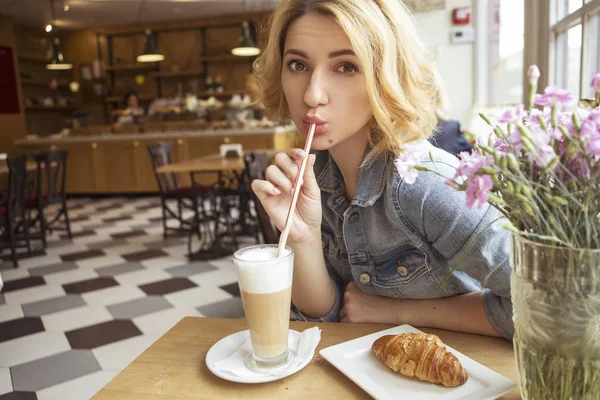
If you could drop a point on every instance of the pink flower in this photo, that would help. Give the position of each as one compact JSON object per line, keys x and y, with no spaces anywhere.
{"x":596,"y":82}
{"x":471,"y":163}
{"x":405,"y":164}
{"x":513,"y":115}
{"x":588,"y":129}
{"x":534,"y":74}
{"x":477,"y":192}
{"x":515,"y":140}
{"x":554,"y":96}
{"x":593,"y":146}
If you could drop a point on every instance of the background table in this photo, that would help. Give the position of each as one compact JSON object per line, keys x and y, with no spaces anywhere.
{"x":174,"y":368}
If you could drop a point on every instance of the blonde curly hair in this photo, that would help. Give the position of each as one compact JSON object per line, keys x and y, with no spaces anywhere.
{"x":398,"y":71}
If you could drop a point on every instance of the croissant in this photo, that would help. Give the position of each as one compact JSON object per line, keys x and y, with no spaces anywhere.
{"x":420,"y":355}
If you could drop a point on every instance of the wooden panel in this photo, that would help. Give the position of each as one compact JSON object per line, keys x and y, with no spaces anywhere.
{"x":288,"y":140}
{"x":82,"y":168}
{"x":118,"y":166}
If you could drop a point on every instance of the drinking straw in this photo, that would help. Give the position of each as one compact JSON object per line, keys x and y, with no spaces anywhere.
{"x":297,"y":187}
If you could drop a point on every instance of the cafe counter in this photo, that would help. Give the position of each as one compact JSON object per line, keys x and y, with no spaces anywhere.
{"x":120,"y":163}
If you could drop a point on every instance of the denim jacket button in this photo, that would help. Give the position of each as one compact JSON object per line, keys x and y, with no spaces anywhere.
{"x":402,"y":271}
{"x":354,"y":218}
{"x":365,"y":279}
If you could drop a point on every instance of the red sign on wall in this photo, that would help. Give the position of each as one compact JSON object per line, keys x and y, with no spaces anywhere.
{"x":9,"y":96}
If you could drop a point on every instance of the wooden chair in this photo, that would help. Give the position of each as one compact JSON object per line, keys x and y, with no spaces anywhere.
{"x":12,"y":210}
{"x":256,"y":166}
{"x":50,"y":190}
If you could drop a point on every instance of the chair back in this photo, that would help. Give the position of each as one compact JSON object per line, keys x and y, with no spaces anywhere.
{"x":17,"y":182}
{"x":161,"y":154}
{"x":51,"y":176}
{"x":256,"y":166}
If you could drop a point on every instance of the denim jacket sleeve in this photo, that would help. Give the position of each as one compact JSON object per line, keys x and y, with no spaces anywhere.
{"x":439,"y":215}
{"x":333,"y":314}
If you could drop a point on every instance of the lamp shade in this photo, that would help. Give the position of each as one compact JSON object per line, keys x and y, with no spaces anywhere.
{"x":150,"y":54}
{"x":58,"y":62}
{"x":247,"y":45}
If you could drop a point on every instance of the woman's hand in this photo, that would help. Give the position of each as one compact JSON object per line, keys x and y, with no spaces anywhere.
{"x":361,"y":307}
{"x":275,"y":194}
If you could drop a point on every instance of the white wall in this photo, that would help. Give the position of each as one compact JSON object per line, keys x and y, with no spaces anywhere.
{"x":455,"y":62}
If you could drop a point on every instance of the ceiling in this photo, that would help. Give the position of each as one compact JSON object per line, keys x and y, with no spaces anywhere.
{"x":100,"y":13}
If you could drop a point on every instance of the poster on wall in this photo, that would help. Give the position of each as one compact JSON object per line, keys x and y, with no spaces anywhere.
{"x":9,"y":96}
{"x":425,"y":5}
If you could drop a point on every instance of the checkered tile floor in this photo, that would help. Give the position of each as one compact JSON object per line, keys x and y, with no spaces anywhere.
{"x":75,"y":315}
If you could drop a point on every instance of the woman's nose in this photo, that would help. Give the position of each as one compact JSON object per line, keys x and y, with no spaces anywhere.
{"x":316,"y":93}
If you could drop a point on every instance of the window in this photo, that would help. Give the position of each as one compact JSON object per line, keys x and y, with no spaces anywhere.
{"x":506,"y":48}
{"x":574,"y":36}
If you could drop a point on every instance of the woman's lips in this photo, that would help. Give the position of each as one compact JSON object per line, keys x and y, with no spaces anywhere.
{"x":319,"y":128}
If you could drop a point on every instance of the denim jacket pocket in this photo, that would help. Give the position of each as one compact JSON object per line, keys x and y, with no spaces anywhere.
{"x":400,"y":268}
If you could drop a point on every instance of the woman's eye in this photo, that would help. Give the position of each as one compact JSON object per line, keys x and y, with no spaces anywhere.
{"x":296,"y":66}
{"x":347,"y":69}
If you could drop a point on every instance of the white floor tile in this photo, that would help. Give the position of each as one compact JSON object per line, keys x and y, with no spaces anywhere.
{"x":163,"y":262}
{"x":113,"y":295}
{"x":76,"y":318}
{"x":31,"y":347}
{"x":10,"y":311}
{"x":215,"y":278}
{"x":72,"y":275}
{"x":39,"y":261}
{"x":82,"y":388}
{"x":195,"y":297}
{"x":5,"y":381}
{"x":118,"y":250}
{"x":32,"y":294}
{"x":116,"y":356}
{"x":13,"y":274}
{"x":103,"y":261}
{"x":160,"y":322}
{"x":72,"y":248}
{"x":142,"y":277}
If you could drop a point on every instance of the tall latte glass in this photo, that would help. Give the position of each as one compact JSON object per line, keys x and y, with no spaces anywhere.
{"x":265,"y":282}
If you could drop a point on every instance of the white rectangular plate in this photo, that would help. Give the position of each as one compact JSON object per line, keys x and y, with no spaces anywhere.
{"x":356,"y":360}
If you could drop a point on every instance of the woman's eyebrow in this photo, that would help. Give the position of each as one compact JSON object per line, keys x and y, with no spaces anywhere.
{"x":296,"y":52}
{"x":345,"y":52}
{"x":333,"y":54}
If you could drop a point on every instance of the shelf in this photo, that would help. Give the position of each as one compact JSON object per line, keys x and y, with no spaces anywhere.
{"x":130,"y":67}
{"x":120,"y":99}
{"x":176,"y":74}
{"x":33,"y":82}
{"x":225,"y":93}
{"x":50,"y":108}
{"x":33,"y":59}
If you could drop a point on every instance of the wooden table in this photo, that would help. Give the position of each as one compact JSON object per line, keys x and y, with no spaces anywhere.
{"x":174,"y":368}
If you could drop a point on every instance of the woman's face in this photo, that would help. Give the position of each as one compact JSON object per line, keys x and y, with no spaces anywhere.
{"x":132,"y":101}
{"x":321,"y":81}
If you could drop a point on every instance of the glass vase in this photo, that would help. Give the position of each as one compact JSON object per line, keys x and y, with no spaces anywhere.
{"x":556,"y":310}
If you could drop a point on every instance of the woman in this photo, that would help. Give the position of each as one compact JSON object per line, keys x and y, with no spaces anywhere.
{"x":370,"y":247}
{"x":132,"y":114}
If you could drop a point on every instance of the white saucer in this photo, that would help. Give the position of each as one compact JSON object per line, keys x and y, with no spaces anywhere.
{"x":226,"y":346}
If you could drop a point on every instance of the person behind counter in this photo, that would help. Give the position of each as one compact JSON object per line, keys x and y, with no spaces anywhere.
{"x":132,"y":114}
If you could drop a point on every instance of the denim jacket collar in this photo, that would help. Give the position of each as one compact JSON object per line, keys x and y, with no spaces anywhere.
{"x":371,"y":179}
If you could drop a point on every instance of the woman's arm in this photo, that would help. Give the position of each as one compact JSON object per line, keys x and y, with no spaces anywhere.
{"x":462,"y":313}
{"x":313,"y":291}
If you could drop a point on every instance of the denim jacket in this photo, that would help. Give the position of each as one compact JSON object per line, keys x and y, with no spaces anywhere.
{"x":401,"y":240}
